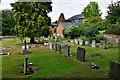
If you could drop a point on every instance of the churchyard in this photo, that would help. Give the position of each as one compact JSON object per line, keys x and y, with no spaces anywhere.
{"x":65,"y":60}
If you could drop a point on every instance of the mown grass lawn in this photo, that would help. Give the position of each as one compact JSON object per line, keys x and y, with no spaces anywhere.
{"x":49,"y":64}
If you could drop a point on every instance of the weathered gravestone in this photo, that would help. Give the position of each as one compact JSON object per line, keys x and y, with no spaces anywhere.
{"x":67,"y":51}
{"x":55,"y":46}
{"x":76,"y":41}
{"x":93,"y":43}
{"x":80,"y":42}
{"x":86,"y":43}
{"x":114,"y":70}
{"x":59,"y":48}
{"x":80,"y":54}
{"x":102,"y":44}
{"x":50,"y":45}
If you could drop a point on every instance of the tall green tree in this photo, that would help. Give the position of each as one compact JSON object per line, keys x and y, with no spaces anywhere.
{"x":8,"y":22}
{"x":92,"y":10}
{"x":114,"y":13}
{"x":31,"y":17}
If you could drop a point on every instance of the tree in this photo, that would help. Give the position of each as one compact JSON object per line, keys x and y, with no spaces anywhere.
{"x":8,"y":22}
{"x":31,"y":17}
{"x":92,"y":10}
{"x":113,"y":13}
{"x":72,"y":32}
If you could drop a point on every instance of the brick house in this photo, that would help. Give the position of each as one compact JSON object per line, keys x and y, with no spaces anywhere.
{"x":61,"y":24}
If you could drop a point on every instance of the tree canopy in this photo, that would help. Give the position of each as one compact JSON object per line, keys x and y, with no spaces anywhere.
{"x":114,"y":13}
{"x":30,"y":17}
{"x":8,"y":22}
{"x":92,"y":10}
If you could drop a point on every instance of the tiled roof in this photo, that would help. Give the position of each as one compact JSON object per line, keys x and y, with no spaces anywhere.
{"x":67,"y":24}
{"x":79,"y":16}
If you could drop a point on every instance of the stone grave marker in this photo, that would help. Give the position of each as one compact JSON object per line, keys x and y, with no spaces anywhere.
{"x":80,"y":42}
{"x":86,"y":43}
{"x":67,"y":51}
{"x":102,"y":44}
{"x":80,"y":54}
{"x":94,"y":43}
{"x":114,"y":70}
{"x":76,"y":41}
{"x":50,"y":45}
{"x":59,"y":48}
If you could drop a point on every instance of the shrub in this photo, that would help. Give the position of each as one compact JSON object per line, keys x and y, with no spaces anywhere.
{"x":99,"y":37}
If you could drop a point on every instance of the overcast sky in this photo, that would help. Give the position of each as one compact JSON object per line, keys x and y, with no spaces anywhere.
{"x":68,"y":7}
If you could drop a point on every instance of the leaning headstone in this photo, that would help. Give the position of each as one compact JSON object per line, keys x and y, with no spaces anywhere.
{"x":86,"y":43}
{"x":80,"y":42}
{"x":67,"y":51}
{"x":80,"y":54}
{"x":25,"y":64}
{"x":76,"y":41}
{"x":93,"y":43}
{"x":114,"y":70}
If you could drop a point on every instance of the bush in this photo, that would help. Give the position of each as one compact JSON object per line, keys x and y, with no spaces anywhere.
{"x":113,"y":29}
{"x":71,"y":32}
{"x":99,"y":37}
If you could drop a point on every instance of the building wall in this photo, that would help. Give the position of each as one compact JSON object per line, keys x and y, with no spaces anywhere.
{"x":60,"y":29}
{"x":53,"y":28}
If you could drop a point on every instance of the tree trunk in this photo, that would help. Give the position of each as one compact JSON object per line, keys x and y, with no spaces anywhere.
{"x":32,"y":41}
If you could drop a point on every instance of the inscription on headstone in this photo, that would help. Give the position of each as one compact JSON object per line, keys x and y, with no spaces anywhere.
{"x":80,"y":54}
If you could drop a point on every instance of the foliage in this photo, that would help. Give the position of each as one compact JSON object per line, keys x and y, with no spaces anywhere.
{"x":99,"y":37}
{"x":114,"y":13}
{"x":72,"y":32}
{"x":31,"y":17}
{"x":92,"y":10}
{"x":89,"y":30}
{"x":113,"y":29}
{"x":8,"y":22}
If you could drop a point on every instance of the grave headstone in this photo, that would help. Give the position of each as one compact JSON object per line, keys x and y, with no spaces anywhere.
{"x":93,"y":43}
{"x":59,"y":48}
{"x":50,"y":45}
{"x":76,"y":41}
{"x":80,"y":54}
{"x":114,"y":70}
{"x":80,"y":42}
{"x":102,"y":44}
{"x":86,"y":43}
{"x":72,"y":41}
{"x":67,"y":51}
{"x":55,"y":46}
